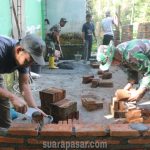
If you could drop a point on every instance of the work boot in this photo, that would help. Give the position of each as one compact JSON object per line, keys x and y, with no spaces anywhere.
{"x":52,"y":63}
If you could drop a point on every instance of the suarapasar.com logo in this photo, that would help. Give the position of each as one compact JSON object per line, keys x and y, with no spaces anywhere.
{"x":75,"y":144}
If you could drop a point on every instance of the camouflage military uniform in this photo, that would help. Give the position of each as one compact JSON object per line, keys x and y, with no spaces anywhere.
{"x":136,"y":57}
{"x":51,"y":40}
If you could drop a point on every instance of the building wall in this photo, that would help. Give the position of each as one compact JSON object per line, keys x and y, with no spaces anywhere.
{"x":33,"y":16}
{"x":5,"y":18}
{"x":73,"y":10}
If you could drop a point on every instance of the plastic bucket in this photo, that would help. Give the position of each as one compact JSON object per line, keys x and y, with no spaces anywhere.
{"x":36,"y":68}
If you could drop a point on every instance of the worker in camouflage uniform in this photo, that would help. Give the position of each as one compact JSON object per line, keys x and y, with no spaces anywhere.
{"x":52,"y":38}
{"x":133,"y":55}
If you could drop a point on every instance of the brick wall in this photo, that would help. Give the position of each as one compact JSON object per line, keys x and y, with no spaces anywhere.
{"x":27,"y":136}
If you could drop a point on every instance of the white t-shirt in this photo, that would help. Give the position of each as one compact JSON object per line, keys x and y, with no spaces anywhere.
{"x":107,"y":25}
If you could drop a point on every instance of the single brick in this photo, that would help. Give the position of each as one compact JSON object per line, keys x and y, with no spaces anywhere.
{"x":24,"y":129}
{"x":115,"y":104}
{"x":119,"y":114}
{"x":11,"y":140}
{"x":7,"y":148}
{"x":139,"y":141}
{"x":95,"y":65}
{"x":122,"y":94}
{"x":95,"y":83}
{"x":61,"y":110}
{"x":27,"y":148}
{"x":87,"y":79}
{"x":132,"y":114}
{"x":107,"y":141}
{"x":36,"y":141}
{"x":100,"y":72}
{"x":122,"y":106}
{"x":56,"y":130}
{"x":134,"y":120}
{"x":145,"y":113}
{"x":51,"y":95}
{"x":91,"y":103}
{"x":105,"y":83}
{"x":122,"y":130}
{"x":89,"y":130}
{"x":107,"y":75}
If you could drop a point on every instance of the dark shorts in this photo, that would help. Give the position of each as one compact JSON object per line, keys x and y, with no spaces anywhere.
{"x":5,"y":119}
{"x":107,"y":38}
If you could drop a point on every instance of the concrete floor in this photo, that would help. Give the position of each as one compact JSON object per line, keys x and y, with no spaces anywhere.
{"x":71,"y":81}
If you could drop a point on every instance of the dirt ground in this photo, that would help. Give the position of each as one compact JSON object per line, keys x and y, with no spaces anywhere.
{"x":71,"y":81}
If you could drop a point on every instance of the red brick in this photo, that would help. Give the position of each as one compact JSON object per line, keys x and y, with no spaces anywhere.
{"x":11,"y":140}
{"x":134,"y":120}
{"x":56,"y":130}
{"x":75,"y":121}
{"x":95,"y":83}
{"x":122,"y":130}
{"x":105,"y":83}
{"x":7,"y":148}
{"x":119,"y":114}
{"x":91,"y":103}
{"x":100,"y":72}
{"x":87,"y":79}
{"x":113,"y":142}
{"x":51,"y":95}
{"x":95,"y":65}
{"x":70,"y":121}
{"x":122,"y":94}
{"x":35,"y":141}
{"x":89,"y":130}
{"x":139,"y":141}
{"x":135,"y":113}
{"x":115,"y":104}
{"x":28,"y":148}
{"x":63,"y":109}
{"x":122,"y":106}
{"x":23,"y":129}
{"x":106,"y":75}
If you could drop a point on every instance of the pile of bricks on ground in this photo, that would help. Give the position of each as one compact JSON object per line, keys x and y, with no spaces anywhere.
{"x":122,"y":108}
{"x":27,"y":136}
{"x":91,"y":102}
{"x":54,"y":102}
{"x":103,"y":79}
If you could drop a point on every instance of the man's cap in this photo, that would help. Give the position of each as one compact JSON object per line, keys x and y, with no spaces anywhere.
{"x":63,"y":20}
{"x":35,"y":46}
{"x":105,"y":56}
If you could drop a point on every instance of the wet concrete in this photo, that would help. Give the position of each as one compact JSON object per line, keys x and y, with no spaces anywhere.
{"x":71,"y":81}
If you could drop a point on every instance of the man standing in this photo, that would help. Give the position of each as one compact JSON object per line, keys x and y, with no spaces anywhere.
{"x":52,"y":38}
{"x":88,"y":30}
{"x":107,"y":27}
{"x":19,"y":56}
{"x":133,"y":55}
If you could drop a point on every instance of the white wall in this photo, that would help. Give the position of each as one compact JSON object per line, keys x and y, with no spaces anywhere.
{"x":73,"y":10}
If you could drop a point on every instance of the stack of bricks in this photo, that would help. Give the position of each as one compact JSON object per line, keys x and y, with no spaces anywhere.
{"x":104,"y":80}
{"x":53,"y":102}
{"x":118,"y":108}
